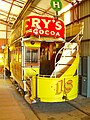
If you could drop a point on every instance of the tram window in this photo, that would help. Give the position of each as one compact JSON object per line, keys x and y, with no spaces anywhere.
{"x":19,"y":57}
{"x":34,"y":55}
{"x":27,"y":55}
{"x":31,"y":55}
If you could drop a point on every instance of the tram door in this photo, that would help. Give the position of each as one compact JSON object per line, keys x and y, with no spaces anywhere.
{"x":47,"y":57}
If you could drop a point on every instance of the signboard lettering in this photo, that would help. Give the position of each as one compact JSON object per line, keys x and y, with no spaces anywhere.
{"x":43,"y":26}
{"x":60,"y":84}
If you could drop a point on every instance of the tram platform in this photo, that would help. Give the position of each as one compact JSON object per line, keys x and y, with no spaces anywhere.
{"x":14,"y":107}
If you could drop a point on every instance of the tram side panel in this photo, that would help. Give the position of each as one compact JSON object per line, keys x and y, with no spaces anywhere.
{"x":25,"y":62}
{"x":7,"y":58}
{"x":15,"y":64}
{"x":60,"y":89}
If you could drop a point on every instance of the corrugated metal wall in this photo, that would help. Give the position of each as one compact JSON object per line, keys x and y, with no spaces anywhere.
{"x":84,"y":8}
{"x":85,"y":48}
{"x":86,"y":28}
{"x":81,"y":13}
{"x":85,"y":14}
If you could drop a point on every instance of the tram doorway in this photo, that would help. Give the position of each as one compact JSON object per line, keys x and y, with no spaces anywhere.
{"x":48,"y":52}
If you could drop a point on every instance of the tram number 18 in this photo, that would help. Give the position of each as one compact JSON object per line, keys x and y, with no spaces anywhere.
{"x":62,"y":86}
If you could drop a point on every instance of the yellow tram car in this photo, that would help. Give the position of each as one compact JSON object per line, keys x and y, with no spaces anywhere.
{"x":44,"y":67}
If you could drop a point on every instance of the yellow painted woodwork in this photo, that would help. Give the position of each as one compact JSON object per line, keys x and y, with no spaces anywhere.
{"x":54,"y":89}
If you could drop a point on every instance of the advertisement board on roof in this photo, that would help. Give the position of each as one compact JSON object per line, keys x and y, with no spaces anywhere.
{"x":43,"y":26}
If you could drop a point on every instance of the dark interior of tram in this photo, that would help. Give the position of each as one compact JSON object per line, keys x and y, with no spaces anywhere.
{"x":48,"y":52}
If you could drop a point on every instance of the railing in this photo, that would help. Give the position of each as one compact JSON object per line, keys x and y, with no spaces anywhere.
{"x":79,"y":40}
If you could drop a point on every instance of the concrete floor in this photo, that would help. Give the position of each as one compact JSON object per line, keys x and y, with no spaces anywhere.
{"x":14,"y":107}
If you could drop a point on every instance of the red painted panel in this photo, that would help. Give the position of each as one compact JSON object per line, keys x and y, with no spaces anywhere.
{"x":43,"y":26}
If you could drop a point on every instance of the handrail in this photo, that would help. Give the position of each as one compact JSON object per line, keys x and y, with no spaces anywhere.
{"x":69,"y":42}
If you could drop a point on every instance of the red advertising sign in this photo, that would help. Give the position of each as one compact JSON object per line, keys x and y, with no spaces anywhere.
{"x":43,"y":26}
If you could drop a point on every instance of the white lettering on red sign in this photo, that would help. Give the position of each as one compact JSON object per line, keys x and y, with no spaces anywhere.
{"x":43,"y":26}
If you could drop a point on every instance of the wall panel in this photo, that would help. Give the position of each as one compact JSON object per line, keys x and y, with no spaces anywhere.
{"x":86,"y":28}
{"x":85,"y":48}
{"x":84,"y":8}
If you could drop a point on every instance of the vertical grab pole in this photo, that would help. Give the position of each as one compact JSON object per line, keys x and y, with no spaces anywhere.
{"x":36,"y":87}
{"x":23,"y":56}
{"x":4,"y":68}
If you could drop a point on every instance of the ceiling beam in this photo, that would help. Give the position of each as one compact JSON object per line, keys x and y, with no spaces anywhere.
{"x":19,"y":1}
{"x":11,"y":3}
{"x":46,"y":10}
{"x":38,"y":13}
{"x":4,"y":31}
{"x":5,"y":23}
{"x":7,"y":13}
{"x":43,"y":10}
{"x":10,"y":10}
{"x":25,"y":11}
{"x":9,"y":16}
{"x":68,"y":1}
